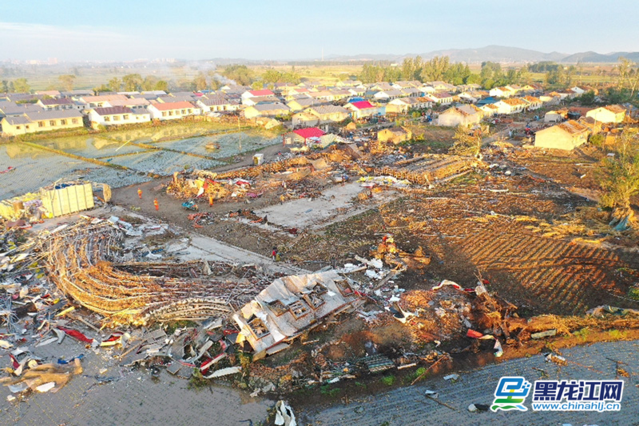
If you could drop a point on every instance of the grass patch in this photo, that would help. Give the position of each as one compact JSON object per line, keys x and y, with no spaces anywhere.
{"x":633,"y":293}
{"x":582,"y":334}
{"x":415,"y":374}
{"x":197,"y":382}
{"x":617,"y":334}
{"x":329,"y":391}
{"x":389,"y":380}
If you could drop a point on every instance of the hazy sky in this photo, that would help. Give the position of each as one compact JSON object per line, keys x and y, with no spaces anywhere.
{"x":282,"y":29}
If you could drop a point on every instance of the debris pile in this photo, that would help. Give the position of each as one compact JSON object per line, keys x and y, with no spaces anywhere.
{"x":82,"y":262}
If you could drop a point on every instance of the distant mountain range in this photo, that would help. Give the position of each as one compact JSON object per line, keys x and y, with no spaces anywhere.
{"x":503,"y":54}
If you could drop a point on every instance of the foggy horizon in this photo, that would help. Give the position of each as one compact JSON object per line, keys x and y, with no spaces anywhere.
{"x":285,"y":31}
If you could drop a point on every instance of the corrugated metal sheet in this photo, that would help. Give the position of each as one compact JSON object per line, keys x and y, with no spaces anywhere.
{"x":70,"y":199}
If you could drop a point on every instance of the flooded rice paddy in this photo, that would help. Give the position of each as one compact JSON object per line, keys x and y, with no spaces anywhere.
{"x":36,"y":167}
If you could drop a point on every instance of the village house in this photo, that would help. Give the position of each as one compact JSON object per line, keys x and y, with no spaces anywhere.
{"x":357,"y":91}
{"x":266,"y":110}
{"x":442,"y":86}
{"x":256,"y":94}
{"x":394,"y":135}
{"x":565,"y":136}
{"x":303,"y":103}
{"x":329,"y":113}
{"x":361,"y":109}
{"x":489,"y":110}
{"x":172,"y":110}
{"x":116,"y":116}
{"x":218,"y":103}
{"x":608,"y":114}
{"x":9,"y":109}
{"x":256,"y":100}
{"x":550,"y":99}
{"x":323,"y":95}
{"x":403,"y":105}
{"x":469,"y":97}
{"x":58,"y":104}
{"x":387,"y":95}
{"x":49,"y":93}
{"x":533,"y":102}
{"x":411,"y":92}
{"x":133,"y":103}
{"x":454,"y":117}
{"x":100,"y":101}
{"x":304,"y":119}
{"x":42,"y":121}
{"x":378,"y":87}
{"x":303,"y":136}
{"x":289,"y":307}
{"x":501,"y":92}
{"x":338,"y":95}
{"x":511,"y":106}
{"x":442,"y":98}
{"x":400,"y":85}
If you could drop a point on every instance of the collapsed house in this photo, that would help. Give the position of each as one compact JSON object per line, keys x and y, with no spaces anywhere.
{"x":289,"y":307}
{"x":428,"y":169}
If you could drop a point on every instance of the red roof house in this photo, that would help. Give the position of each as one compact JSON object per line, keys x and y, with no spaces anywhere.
{"x":265,"y":92}
{"x":363,"y":105}
{"x":309,"y":132}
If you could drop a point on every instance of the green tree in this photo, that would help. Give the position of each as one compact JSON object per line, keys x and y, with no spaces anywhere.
{"x":115,"y":84}
{"x":67,"y":81}
{"x":628,"y":76}
{"x":587,"y":98}
{"x":20,"y":85}
{"x":435,"y":69}
{"x":149,"y":82}
{"x":102,"y":88}
{"x":257,"y":85}
{"x":200,"y":82}
{"x":4,"y":88}
{"x":241,"y":74}
{"x":162,"y":85}
{"x":619,"y":179}
{"x":132,"y":82}
{"x":271,"y":76}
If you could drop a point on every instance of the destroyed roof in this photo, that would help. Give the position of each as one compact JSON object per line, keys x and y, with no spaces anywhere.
{"x":113,"y":110}
{"x":289,"y":305}
{"x":532,"y":99}
{"x":514,"y":102}
{"x":398,"y":130}
{"x":173,"y":105}
{"x":309,"y":132}
{"x":572,"y":127}
{"x":615,"y":109}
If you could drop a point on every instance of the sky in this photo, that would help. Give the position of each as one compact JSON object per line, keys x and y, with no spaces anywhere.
{"x":72,"y":30}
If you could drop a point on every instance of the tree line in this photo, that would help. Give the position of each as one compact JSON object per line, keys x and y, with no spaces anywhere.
{"x":440,"y":68}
